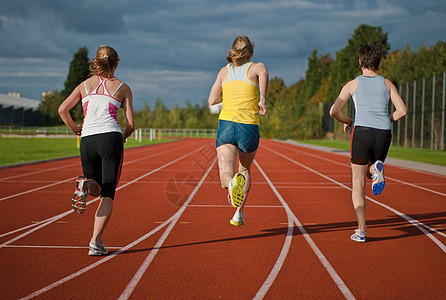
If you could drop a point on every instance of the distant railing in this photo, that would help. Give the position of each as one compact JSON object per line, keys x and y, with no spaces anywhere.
{"x":151,"y":133}
{"x":159,"y":133}
{"x":424,"y":124}
{"x":35,"y":130}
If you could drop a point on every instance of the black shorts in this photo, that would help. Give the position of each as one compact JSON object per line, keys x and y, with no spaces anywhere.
{"x":369,"y":145}
{"x":101,"y":158}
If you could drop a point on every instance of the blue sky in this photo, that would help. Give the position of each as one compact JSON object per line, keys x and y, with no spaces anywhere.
{"x":173,"y":49}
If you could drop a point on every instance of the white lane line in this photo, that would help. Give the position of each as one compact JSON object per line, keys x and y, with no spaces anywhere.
{"x":70,"y":179}
{"x":285,"y":248}
{"x":230,"y":206}
{"x":145,"y":265}
{"x":112,"y":255}
{"x":46,"y":222}
{"x":348,"y":166}
{"x":331,"y":271}
{"x":39,"y":171}
{"x":54,"y":247}
{"x":37,"y":189}
{"x":414,"y":222}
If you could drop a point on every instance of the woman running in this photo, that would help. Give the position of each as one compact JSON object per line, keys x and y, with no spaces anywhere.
{"x":102,"y":143}
{"x":241,"y":85}
{"x":372,"y":133}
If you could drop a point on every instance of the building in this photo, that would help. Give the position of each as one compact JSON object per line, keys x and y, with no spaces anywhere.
{"x":17,"y":110}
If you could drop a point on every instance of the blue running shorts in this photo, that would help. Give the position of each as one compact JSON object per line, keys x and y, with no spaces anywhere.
{"x":246,"y":137}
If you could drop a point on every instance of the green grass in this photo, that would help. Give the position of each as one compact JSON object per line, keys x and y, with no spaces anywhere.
{"x":19,"y":150}
{"x":24,"y":149}
{"x":436,"y":157}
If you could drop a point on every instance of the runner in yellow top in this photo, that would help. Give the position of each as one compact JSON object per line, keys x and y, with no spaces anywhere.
{"x":241,"y":86}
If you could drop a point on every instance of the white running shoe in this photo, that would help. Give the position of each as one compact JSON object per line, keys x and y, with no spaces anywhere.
{"x":358,"y":236}
{"x":97,"y":249}
{"x":237,"y":219}
{"x":236,"y":190}
{"x":79,"y":200}
{"x":378,"y":181}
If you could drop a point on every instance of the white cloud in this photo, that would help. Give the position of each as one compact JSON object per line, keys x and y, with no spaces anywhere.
{"x":173,"y":49}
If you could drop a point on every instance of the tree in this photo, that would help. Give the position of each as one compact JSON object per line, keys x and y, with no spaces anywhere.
{"x":346,"y":66}
{"x":51,"y":100}
{"x":78,"y":72}
{"x":48,"y":108}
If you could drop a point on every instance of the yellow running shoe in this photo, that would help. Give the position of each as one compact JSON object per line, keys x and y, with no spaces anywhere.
{"x":236,"y":190}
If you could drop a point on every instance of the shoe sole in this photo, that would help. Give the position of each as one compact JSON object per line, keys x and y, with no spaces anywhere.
{"x":378,"y":186}
{"x":235,"y":223}
{"x":79,"y":202}
{"x":236,"y":193}
{"x":97,"y":253}
{"x":358,"y":240}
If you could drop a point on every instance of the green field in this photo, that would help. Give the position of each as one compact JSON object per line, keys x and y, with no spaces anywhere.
{"x":436,"y":157}
{"x":19,"y":150}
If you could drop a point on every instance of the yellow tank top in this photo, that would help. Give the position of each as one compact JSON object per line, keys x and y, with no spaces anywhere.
{"x":240,"y":96}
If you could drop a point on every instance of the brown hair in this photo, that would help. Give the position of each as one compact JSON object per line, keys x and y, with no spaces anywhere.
{"x":370,"y":56}
{"x":105,"y":62}
{"x":241,"y":52}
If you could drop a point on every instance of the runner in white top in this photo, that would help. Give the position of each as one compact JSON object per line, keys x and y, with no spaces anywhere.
{"x":102,"y":142}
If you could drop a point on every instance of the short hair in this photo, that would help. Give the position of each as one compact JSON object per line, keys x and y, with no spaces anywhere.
{"x":105,"y":62}
{"x":370,"y":56}
{"x":241,"y":52}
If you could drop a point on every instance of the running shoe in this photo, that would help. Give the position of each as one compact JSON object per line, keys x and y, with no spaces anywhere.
{"x":378,"y":182}
{"x":97,"y":249}
{"x":358,"y":236}
{"x":79,"y":200}
{"x":236,"y":190}
{"x":237,"y":219}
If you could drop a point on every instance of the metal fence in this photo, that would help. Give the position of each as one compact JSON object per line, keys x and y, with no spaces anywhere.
{"x":158,"y":133}
{"x":152,"y":133}
{"x":424,"y":124}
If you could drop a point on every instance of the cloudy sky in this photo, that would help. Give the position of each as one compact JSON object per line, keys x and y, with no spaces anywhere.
{"x":173,"y":49}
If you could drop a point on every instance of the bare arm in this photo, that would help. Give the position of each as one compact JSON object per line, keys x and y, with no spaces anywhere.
{"x":215,"y":94}
{"x":128,"y":111}
{"x":336,"y":110}
{"x":66,"y":106}
{"x":262,"y":73}
{"x":400,"y":107}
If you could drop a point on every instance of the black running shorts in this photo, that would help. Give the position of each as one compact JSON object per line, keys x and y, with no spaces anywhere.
{"x":101,"y":157}
{"x":369,"y":145}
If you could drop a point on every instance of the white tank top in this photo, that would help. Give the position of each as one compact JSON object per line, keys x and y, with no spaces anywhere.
{"x":100,"y":110}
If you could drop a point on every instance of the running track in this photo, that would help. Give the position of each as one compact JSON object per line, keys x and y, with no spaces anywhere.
{"x":170,"y":237}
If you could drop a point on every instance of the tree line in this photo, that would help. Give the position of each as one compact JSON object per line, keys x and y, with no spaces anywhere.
{"x":298,"y":111}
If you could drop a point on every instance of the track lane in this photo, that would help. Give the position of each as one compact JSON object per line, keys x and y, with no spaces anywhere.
{"x":203,"y":252}
{"x":390,"y":237}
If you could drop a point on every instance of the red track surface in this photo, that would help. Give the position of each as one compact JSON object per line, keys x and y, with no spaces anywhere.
{"x":170,"y":237}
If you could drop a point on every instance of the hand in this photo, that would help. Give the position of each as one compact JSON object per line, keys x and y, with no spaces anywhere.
{"x":262,"y":108}
{"x":346,"y":128}
{"x":78,"y":130}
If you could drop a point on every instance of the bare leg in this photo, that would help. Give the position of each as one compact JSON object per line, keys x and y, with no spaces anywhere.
{"x":95,"y":188}
{"x":227,"y":155}
{"x":245,"y":163}
{"x":102,"y":216}
{"x":358,"y":194}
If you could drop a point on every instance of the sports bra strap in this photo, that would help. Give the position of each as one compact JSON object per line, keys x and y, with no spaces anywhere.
{"x":117,"y":89}
{"x":85,"y":85}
